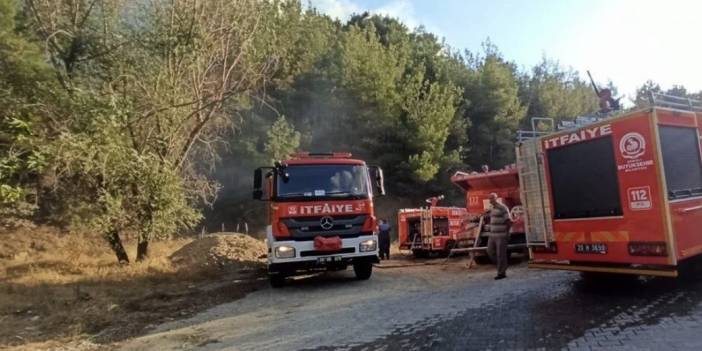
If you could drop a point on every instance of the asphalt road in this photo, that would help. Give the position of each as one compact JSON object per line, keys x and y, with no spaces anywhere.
{"x":447,"y":308}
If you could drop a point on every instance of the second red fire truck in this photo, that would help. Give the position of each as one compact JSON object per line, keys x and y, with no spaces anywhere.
{"x":620,"y":195}
{"x":444,"y":230}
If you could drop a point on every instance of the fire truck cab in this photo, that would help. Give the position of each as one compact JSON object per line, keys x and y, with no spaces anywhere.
{"x":620,"y":195}
{"x":321,"y":214}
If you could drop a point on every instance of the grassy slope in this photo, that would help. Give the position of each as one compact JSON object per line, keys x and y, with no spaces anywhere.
{"x":57,"y":288}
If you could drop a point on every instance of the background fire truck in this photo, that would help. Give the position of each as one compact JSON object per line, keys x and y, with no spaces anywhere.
{"x":432,"y":229}
{"x":620,"y":195}
{"x":451,"y":230}
{"x":478,"y":186}
{"x":321,"y":214}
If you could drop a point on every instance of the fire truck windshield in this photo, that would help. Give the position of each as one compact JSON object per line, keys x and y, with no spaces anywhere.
{"x":323,"y":181}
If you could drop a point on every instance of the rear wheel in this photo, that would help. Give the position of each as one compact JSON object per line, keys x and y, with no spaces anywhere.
{"x":277,"y":280}
{"x":363,"y":269}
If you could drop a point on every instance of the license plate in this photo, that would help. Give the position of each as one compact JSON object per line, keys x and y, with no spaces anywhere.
{"x":329,"y":259}
{"x":591,"y":248}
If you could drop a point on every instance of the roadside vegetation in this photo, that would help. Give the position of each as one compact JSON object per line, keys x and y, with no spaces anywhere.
{"x":146,"y":118}
{"x":59,"y":289}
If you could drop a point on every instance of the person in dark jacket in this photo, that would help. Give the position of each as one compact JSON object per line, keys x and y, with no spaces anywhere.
{"x":500,"y":221}
{"x":384,"y":239}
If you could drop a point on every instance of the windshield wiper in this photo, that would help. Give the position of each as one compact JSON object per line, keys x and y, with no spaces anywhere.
{"x":343,"y":193}
{"x":329,"y":194}
{"x":295,"y":195}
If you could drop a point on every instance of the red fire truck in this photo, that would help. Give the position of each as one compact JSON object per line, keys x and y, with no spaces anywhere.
{"x":478,"y":186}
{"x":321,"y":214}
{"x":456,"y":229}
{"x":432,"y":229}
{"x":620,"y":195}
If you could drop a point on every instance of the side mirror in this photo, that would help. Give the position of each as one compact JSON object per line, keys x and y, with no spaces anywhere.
{"x":377,"y":178}
{"x":258,"y":190}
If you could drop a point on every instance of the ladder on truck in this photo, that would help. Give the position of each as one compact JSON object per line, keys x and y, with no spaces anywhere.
{"x":534,"y":194}
{"x":427,"y":227}
{"x":675,"y":102}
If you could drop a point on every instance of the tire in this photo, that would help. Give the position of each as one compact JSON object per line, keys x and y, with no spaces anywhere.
{"x":363,"y":269}
{"x":276,"y":280}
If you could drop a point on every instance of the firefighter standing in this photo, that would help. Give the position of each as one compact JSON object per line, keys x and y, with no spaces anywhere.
{"x":384,"y":239}
{"x":500,"y":221}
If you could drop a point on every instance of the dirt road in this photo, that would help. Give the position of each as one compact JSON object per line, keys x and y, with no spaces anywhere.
{"x":445,"y":308}
{"x":332,"y":309}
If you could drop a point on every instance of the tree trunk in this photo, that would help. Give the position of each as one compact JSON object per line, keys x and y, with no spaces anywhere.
{"x":116,"y":244}
{"x":142,"y":250}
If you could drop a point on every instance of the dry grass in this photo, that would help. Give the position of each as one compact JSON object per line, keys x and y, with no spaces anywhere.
{"x":69,"y":288}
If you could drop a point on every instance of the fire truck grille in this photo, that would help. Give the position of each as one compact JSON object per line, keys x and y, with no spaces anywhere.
{"x":306,"y":228}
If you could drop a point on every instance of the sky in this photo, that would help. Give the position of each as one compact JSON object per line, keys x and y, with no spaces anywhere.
{"x":625,"y":41}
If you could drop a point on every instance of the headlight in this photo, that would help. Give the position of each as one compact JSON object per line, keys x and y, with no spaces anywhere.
{"x":368,"y":245}
{"x":285,"y":252}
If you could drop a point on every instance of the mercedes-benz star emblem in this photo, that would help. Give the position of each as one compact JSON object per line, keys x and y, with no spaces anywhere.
{"x":326,"y":222}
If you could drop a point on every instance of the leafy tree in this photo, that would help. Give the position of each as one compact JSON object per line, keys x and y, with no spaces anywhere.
{"x":550,"y":91}
{"x":410,"y":111}
{"x":126,"y":116}
{"x":429,"y":109}
{"x":494,"y":111}
{"x":122,"y":189}
{"x":23,"y":78}
{"x":282,"y":140}
{"x":168,"y":75}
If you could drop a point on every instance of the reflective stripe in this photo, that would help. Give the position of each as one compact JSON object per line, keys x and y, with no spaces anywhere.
{"x":570,"y":236}
{"x":600,"y":236}
{"x":610,"y":236}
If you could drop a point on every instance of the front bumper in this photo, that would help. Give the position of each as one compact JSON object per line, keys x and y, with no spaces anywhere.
{"x":306,"y":254}
{"x":302,"y":267}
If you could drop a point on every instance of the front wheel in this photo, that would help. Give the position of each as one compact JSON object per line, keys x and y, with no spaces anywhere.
{"x":363,"y":269}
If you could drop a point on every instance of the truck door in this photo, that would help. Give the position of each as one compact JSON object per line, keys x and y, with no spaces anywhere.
{"x":534,"y":193}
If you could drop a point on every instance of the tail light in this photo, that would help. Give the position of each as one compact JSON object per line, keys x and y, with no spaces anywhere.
{"x":552,"y":248}
{"x":648,"y":249}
